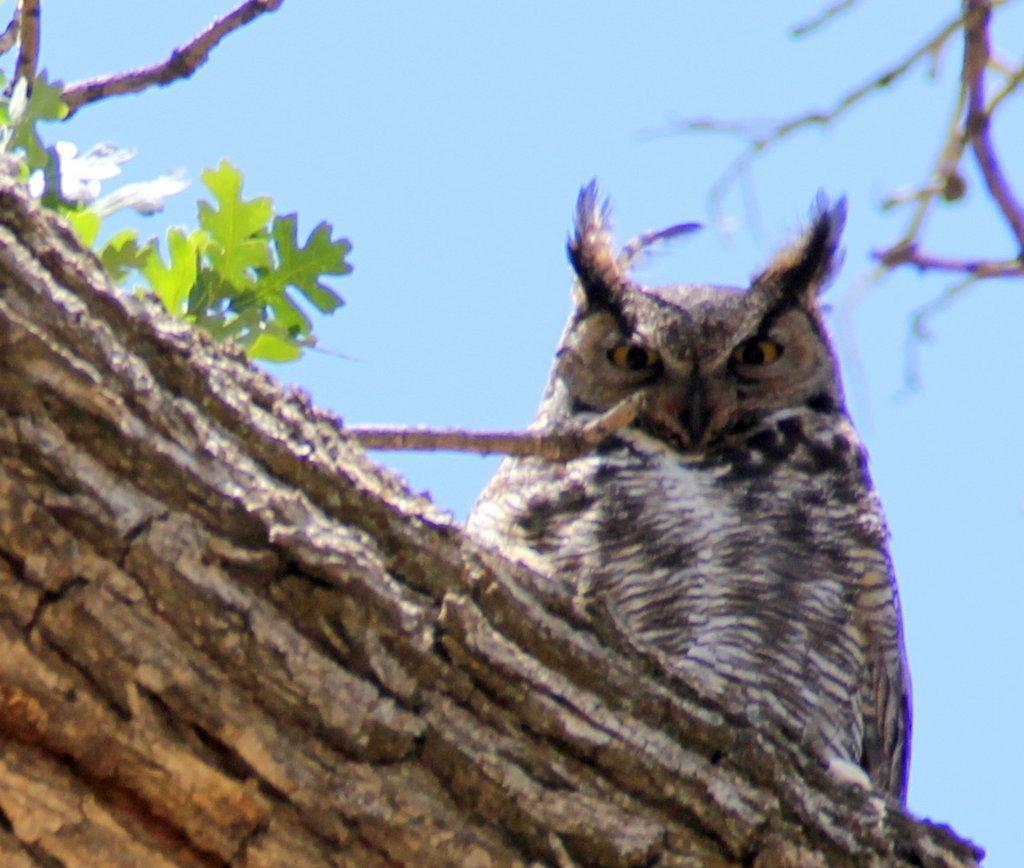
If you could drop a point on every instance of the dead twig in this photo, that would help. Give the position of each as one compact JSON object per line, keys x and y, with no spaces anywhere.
{"x":28,"y":33}
{"x":551,"y":445}
{"x":182,"y":62}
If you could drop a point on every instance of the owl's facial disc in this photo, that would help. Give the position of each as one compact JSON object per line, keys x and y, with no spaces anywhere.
{"x":710,"y":359}
{"x":701,"y":389}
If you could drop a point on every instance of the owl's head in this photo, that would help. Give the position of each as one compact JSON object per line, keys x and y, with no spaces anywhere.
{"x":712,"y":359}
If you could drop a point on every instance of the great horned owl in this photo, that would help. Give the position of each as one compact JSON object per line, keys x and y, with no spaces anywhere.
{"x":733,"y":527}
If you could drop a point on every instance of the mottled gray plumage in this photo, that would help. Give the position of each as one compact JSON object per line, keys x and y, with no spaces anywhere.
{"x":733,"y":527}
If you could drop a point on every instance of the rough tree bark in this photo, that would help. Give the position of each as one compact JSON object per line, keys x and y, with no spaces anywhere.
{"x":227,"y":637}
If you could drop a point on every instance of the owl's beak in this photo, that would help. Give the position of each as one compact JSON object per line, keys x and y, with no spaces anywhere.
{"x":696,"y":414}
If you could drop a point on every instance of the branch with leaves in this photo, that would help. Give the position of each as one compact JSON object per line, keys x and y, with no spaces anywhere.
{"x":232,"y":275}
{"x":238,"y":273}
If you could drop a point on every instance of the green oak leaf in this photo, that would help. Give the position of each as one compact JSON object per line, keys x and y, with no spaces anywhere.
{"x":231,"y":276}
{"x":302,"y":267}
{"x":211,"y":300}
{"x":123,"y":254}
{"x":274,"y":349}
{"x":86,"y":224}
{"x":173,"y":283}
{"x":289,"y":316}
{"x":238,"y":230}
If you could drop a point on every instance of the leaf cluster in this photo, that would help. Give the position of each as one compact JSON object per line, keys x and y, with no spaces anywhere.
{"x":239,"y":274}
{"x":235,"y":275}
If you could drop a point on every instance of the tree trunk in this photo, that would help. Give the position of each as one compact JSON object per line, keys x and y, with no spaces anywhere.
{"x":227,"y":637}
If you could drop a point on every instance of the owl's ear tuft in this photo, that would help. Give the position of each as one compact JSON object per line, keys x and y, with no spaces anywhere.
{"x":799,"y":272}
{"x":592,"y":254}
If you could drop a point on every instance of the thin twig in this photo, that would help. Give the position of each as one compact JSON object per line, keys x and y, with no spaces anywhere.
{"x":9,"y":37}
{"x":943,"y":174}
{"x":1013,"y":81}
{"x":760,"y":137}
{"x":822,"y":17}
{"x":968,"y":127}
{"x":922,"y":316}
{"x":1000,"y":65}
{"x":551,"y":445}
{"x":183,"y":61}
{"x":977,"y":51}
{"x":919,"y":331}
{"x":948,"y":182}
{"x":28,"y":51}
{"x":980,"y":268}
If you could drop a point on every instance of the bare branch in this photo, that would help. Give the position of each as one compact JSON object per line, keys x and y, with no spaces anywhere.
{"x":10,"y":35}
{"x":979,"y":268}
{"x":823,"y":17}
{"x":759,"y":136}
{"x":552,"y":445}
{"x":977,"y":52}
{"x":28,"y":52}
{"x":947,"y":181}
{"x":183,"y":61}
{"x":968,"y":127}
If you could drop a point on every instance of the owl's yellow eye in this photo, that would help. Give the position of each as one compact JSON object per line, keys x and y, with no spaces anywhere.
{"x":757,"y":351}
{"x":632,"y":357}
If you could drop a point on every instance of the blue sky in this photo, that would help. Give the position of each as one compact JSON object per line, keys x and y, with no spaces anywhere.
{"x":448,"y":142}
